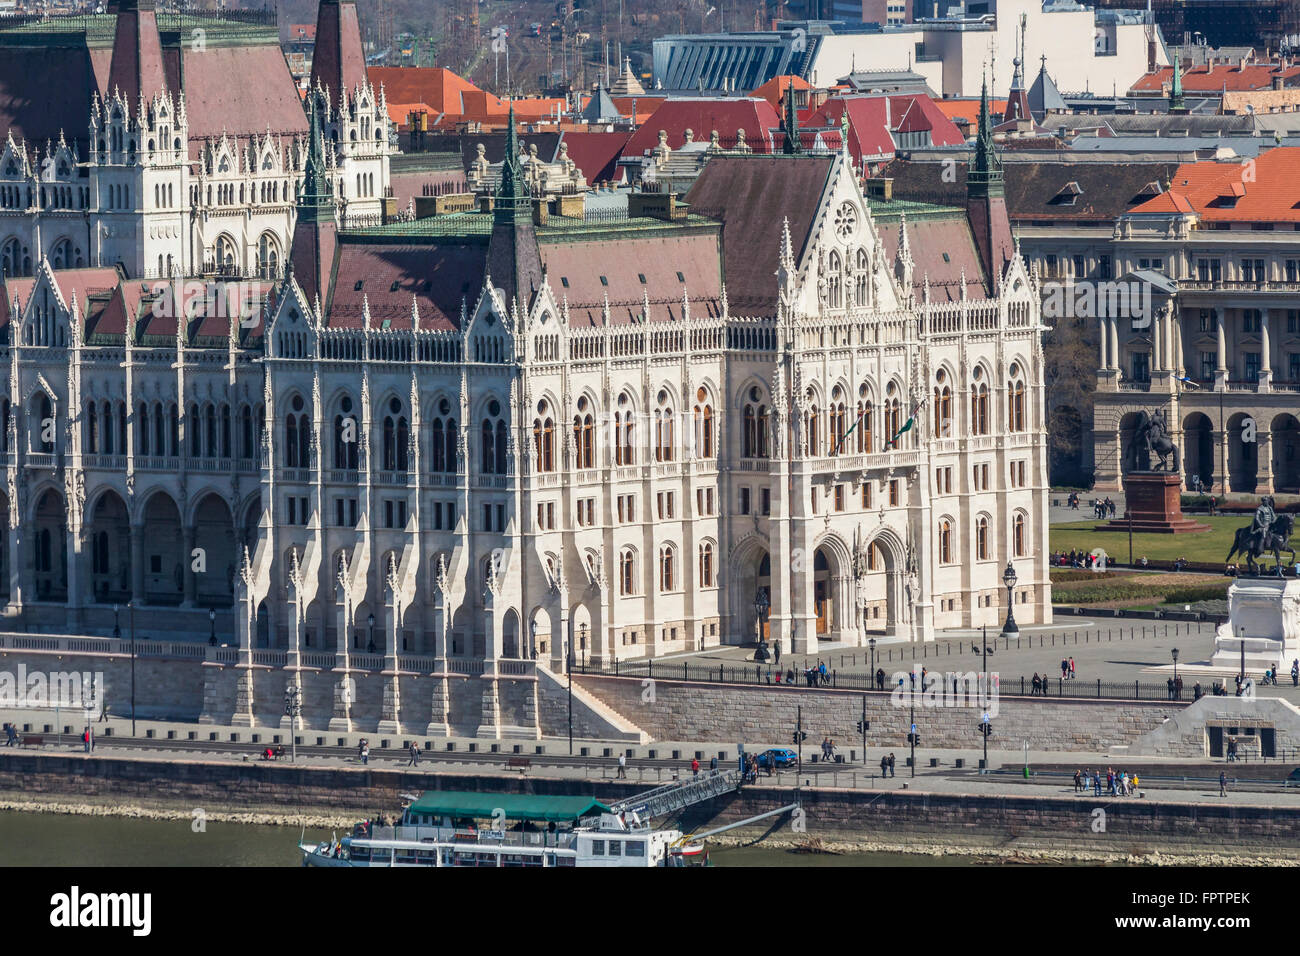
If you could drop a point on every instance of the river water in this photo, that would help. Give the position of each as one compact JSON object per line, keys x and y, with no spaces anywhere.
{"x":49,"y":839}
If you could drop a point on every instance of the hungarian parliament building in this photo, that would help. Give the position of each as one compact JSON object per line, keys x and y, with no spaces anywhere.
{"x":243,"y":401}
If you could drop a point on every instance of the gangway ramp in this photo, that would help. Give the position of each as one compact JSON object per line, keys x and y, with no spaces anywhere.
{"x":677,"y":796}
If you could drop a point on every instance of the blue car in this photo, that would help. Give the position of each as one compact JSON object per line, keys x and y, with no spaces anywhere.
{"x":779,"y":758}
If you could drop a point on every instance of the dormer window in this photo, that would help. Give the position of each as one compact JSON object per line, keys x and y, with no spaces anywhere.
{"x":1068,"y":195}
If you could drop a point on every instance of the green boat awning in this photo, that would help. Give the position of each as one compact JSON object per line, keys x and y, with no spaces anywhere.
{"x":515,"y":806}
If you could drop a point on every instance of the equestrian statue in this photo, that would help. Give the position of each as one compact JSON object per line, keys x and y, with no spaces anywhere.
{"x":1268,"y":531}
{"x":1151,"y":448}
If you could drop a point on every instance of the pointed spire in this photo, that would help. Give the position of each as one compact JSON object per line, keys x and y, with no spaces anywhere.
{"x":787,"y":248}
{"x":1176,"y":88}
{"x":793,"y":145}
{"x":513,"y":193}
{"x":985,"y":175}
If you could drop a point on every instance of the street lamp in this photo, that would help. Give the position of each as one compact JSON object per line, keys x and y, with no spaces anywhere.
{"x":582,"y":636}
{"x":1009,"y":579}
{"x":1174,"y":652}
{"x":761,"y":605}
{"x":532,"y":639}
{"x":871,"y":642}
{"x":212,"y":626}
{"x":371,"y":647}
{"x":986,"y":728}
{"x":292,"y":708}
{"x":1241,"y":677}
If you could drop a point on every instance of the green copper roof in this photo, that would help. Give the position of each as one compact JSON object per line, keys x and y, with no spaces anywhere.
{"x":513,"y":806}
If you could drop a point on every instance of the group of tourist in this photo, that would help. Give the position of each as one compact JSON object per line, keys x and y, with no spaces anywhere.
{"x":1067,"y":668}
{"x":887,"y":765}
{"x":1082,"y":560}
{"x":1114,"y":783}
{"x":1104,"y":509}
{"x":1040,"y":685}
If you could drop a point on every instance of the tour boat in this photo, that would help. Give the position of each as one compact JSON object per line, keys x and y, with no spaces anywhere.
{"x":450,"y":828}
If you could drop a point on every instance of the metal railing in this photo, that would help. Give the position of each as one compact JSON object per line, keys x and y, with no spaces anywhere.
{"x":776,"y":677}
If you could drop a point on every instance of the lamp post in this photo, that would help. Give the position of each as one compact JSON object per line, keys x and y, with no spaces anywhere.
{"x":582,"y":637}
{"x":370,"y":648}
{"x":986,"y":728}
{"x":761,"y":605}
{"x":292,"y":708}
{"x":1241,"y":677}
{"x":871,"y":642}
{"x":568,"y":667}
{"x":1174,"y":653}
{"x":212,"y":626}
{"x":532,"y":639}
{"x":130,"y":608}
{"x":1009,"y":579}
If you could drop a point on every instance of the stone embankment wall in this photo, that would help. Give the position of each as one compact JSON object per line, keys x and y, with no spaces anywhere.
{"x":762,"y":714}
{"x":883,"y":817}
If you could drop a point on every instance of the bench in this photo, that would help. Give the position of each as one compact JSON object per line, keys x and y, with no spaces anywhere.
{"x":519,"y":763}
{"x":30,"y":741}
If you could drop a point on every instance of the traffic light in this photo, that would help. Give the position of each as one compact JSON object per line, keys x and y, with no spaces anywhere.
{"x":985,"y":729}
{"x":914,"y":739}
{"x":799,"y":736}
{"x":864,"y":726}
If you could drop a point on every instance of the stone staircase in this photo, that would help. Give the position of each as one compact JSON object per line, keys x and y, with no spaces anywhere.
{"x":593,"y":719}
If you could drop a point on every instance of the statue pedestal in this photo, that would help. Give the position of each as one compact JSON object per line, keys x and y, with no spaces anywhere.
{"x":1265,"y":613}
{"x":1153,"y":500}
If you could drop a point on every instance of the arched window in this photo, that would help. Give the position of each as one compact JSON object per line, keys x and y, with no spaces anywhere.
{"x":982,"y":538}
{"x":942,"y":405}
{"x":489,"y":461}
{"x":345,"y":436}
{"x":544,"y":438}
{"x":396,"y":436}
{"x":893,"y":420}
{"x":749,"y":439}
{"x":1016,"y":401}
{"x":268,"y":256}
{"x":439,"y":450}
{"x":862,"y":279}
{"x":624,"y":434}
{"x":703,"y":425}
{"x":706,"y":565}
{"x":664,"y":428}
{"x":1018,"y":534}
{"x":297,"y":435}
{"x":834,"y":280}
{"x":493,"y":441}
{"x":501,"y":456}
{"x":210,"y":432}
{"x":666,"y":579}
{"x":838,"y":422}
{"x":979,"y":404}
{"x":945,"y":541}
{"x":142,"y":429}
{"x":863,"y":430}
{"x":626,"y":573}
{"x":584,"y":436}
{"x":91,"y":429}
{"x":810,"y":423}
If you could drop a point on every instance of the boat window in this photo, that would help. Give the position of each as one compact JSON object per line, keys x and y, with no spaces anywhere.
{"x":426,"y":857}
{"x":361,"y":853}
{"x":615,"y":847}
{"x":636,"y":848}
{"x":597,"y":847}
{"x":406,"y":856}
{"x":381,"y":855}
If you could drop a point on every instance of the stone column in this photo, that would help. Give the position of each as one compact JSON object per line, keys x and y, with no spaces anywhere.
{"x":1225,"y":480}
{"x":1265,"y":359}
{"x":1104,"y":358}
{"x":1221,"y":373}
{"x":1264,"y":463}
{"x":344,"y":685}
{"x":187,"y":564}
{"x":390,"y":721}
{"x":1114,"y":344}
{"x":490,"y":721}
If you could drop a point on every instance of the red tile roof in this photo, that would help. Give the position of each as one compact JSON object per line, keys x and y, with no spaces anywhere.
{"x":703,"y":115}
{"x":941,"y":249}
{"x":1264,"y":190}
{"x":872,"y":119}
{"x":75,"y":285}
{"x":596,"y":154}
{"x":1215,"y":79}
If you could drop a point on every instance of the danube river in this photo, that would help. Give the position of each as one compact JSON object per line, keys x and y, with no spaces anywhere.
{"x":49,"y":839}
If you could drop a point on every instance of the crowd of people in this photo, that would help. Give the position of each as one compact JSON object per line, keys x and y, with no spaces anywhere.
{"x":1113,"y":783}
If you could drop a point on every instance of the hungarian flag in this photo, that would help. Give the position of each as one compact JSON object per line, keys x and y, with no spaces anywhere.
{"x":907,"y":425}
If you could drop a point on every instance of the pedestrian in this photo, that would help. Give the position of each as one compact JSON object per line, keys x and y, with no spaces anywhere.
{"x":1037,"y":683}
{"x":103,"y":714}
{"x":415,"y":755}
{"x":789,"y":675}
{"x":1170,"y":685}
{"x":821,"y":669}
{"x":622,"y":766}
{"x":880,"y":678}
{"x":1071,"y":668}
{"x":695,"y":767}
{"x":1295,"y":673}
{"x":713,"y":764}
{"x":776,"y":652}
{"x":1065,"y":668}
{"x":365,"y":751}
{"x":88,"y":739}
{"x":1078,"y":779}
{"x":884,"y":767}
{"x":891,"y":764}
{"x":1223,"y":784}
{"x":1096,"y":783}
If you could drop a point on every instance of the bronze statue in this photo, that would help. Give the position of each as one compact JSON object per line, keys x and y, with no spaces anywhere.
{"x":1268,"y":531}
{"x":1151,"y":439}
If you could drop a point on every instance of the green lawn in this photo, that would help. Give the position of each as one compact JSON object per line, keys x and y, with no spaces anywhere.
{"x":1209,"y":545}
